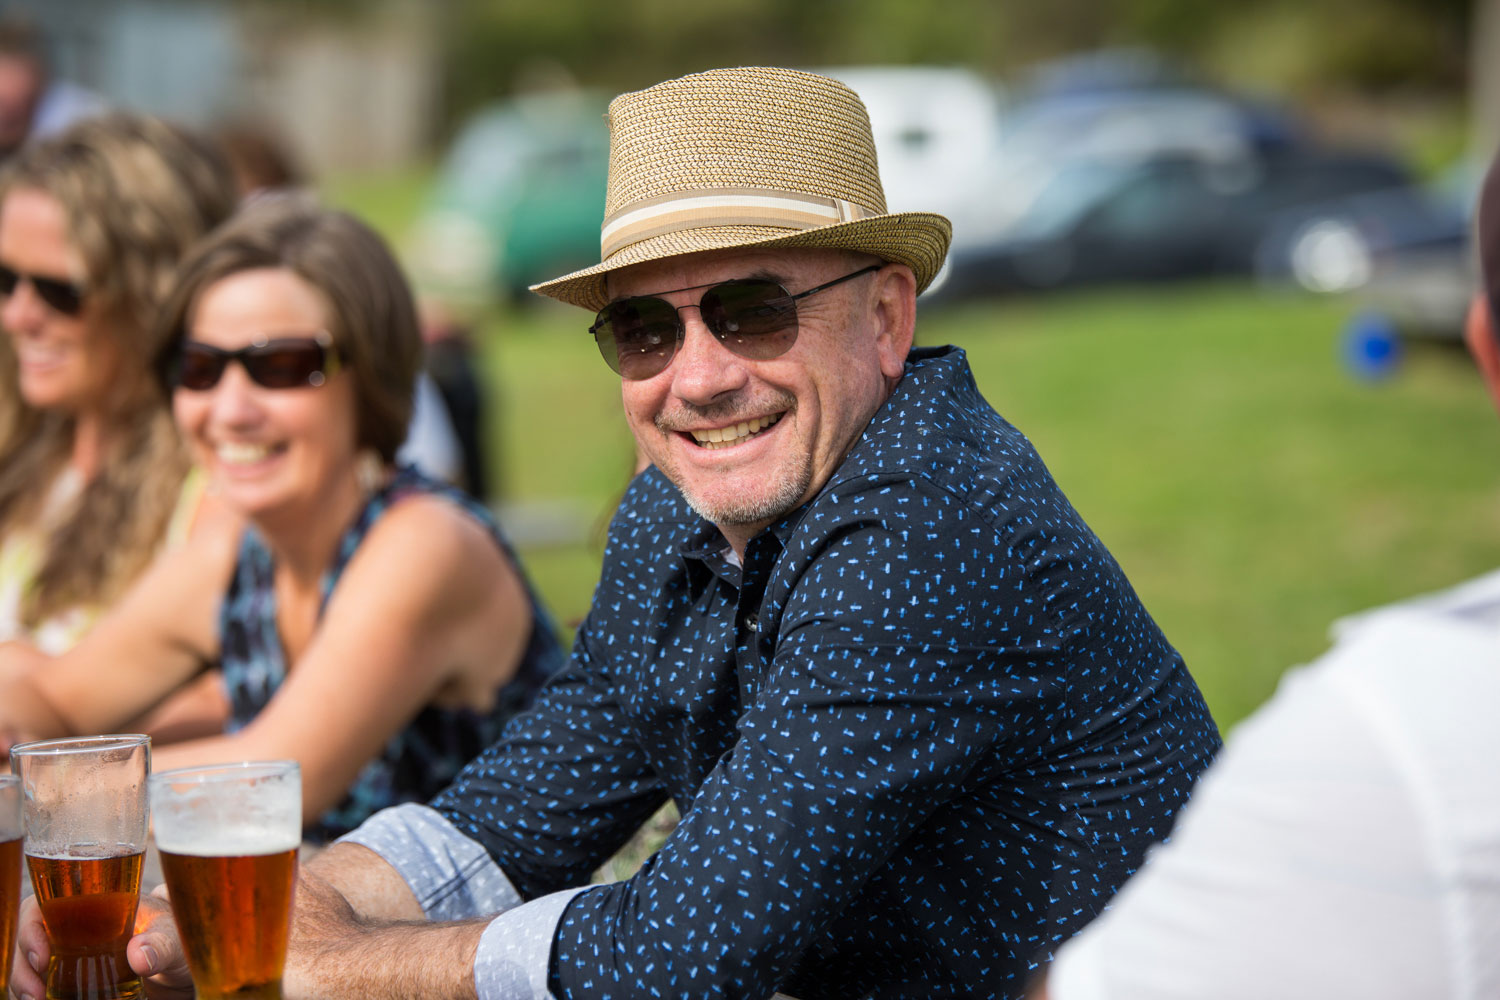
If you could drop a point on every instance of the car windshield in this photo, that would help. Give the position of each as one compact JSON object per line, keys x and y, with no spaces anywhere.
{"x":1069,"y":192}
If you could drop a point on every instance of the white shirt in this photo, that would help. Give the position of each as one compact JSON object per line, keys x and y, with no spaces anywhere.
{"x":1347,"y":841}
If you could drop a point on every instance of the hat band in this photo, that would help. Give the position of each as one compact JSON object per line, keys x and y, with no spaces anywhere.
{"x":708,"y":207}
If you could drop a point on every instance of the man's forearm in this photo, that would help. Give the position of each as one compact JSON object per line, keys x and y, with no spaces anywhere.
{"x":394,"y":961}
{"x":374,"y":891}
{"x":357,"y":935}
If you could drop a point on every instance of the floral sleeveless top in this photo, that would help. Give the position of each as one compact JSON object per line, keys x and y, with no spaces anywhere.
{"x":421,"y":759}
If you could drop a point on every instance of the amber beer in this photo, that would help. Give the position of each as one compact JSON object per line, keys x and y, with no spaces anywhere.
{"x":10,"y":872}
{"x":85,"y":817}
{"x":10,"y":899}
{"x":233,"y":914}
{"x":228,"y":836}
{"x":88,"y":907}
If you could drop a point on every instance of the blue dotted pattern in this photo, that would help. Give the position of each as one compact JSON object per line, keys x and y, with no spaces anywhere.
{"x":917,"y":740}
{"x":422,"y":758}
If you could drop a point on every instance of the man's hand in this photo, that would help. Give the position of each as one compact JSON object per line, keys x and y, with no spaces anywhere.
{"x":32,"y":952}
{"x":155,"y":952}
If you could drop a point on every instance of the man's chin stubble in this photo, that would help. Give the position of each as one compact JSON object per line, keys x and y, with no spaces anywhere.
{"x":747,"y":511}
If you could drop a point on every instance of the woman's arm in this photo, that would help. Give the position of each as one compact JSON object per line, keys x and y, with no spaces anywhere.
{"x":427,"y":600}
{"x":150,"y":643}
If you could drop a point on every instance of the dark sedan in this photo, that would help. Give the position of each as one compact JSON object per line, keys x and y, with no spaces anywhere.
{"x":1175,"y":217}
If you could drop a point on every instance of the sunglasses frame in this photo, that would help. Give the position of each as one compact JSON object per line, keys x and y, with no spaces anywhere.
{"x":603,"y":319}
{"x":329,"y":360}
{"x":62,"y":295}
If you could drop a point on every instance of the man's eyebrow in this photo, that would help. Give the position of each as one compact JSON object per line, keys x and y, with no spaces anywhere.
{"x":766,"y":274}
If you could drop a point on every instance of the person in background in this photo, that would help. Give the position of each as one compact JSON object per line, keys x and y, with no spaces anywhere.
{"x":916,"y":721}
{"x":1347,"y":841}
{"x":92,"y":225}
{"x":368,"y":622}
{"x":34,"y":104}
{"x":261,"y":159}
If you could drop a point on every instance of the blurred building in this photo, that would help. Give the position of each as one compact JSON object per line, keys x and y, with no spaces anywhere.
{"x":348,"y":84}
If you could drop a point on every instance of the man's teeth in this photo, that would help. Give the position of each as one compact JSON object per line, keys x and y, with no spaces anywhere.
{"x":240,"y":453}
{"x":724,"y":437}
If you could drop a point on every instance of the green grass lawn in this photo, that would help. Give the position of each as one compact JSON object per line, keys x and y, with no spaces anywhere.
{"x":1252,"y":490}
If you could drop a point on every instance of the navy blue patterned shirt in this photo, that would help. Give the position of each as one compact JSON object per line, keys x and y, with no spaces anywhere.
{"x":917,"y":739}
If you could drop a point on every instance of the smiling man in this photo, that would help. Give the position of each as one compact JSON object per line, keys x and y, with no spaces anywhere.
{"x":918,"y":725}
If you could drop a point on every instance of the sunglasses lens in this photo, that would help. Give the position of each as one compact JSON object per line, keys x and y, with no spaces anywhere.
{"x":286,"y":365}
{"x":755,"y":319}
{"x":60,"y":295}
{"x":198,"y":368}
{"x":637,"y":337}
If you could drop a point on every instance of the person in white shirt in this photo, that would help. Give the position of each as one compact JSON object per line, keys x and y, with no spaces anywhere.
{"x":1347,"y":841}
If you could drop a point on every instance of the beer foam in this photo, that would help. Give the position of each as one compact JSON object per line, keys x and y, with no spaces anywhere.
{"x":87,"y":852}
{"x":240,"y":841}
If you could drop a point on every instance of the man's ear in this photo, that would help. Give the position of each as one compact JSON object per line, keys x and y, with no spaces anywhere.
{"x":894,"y":301}
{"x":1479,"y":332}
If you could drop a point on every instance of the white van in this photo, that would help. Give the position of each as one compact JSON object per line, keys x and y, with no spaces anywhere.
{"x":937,"y":134}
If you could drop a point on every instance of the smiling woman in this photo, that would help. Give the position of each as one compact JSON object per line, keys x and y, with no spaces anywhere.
{"x":92,"y":224}
{"x":290,"y":352}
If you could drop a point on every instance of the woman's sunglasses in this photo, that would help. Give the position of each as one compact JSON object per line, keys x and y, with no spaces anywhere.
{"x":60,"y":294}
{"x":283,"y":363}
{"x":755,"y":318}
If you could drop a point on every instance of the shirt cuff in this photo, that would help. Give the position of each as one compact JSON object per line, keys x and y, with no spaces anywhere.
{"x":515,"y":952}
{"x":452,"y":876}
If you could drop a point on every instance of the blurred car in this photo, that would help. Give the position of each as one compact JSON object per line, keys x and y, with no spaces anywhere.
{"x":517,"y":199}
{"x":1422,"y":289}
{"x":1098,"y":96}
{"x":1352,"y":241}
{"x":1124,"y":107}
{"x":1173,"y":216}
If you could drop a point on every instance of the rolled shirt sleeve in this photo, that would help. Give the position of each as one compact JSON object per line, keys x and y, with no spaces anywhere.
{"x":454,"y":878}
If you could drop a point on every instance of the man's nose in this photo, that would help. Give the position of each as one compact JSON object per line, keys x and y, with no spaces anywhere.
{"x":704,"y":368}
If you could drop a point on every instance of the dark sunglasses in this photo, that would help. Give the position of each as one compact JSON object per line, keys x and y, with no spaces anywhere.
{"x":283,"y":363}
{"x":60,"y":294}
{"x":755,"y":318}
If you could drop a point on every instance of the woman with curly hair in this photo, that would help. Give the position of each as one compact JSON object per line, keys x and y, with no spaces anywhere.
{"x":92,"y":225}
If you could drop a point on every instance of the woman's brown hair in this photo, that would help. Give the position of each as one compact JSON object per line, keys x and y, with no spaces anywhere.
{"x":137,"y":193}
{"x":372,"y":318}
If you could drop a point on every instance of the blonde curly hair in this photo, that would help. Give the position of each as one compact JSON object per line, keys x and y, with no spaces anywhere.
{"x":137,"y":193}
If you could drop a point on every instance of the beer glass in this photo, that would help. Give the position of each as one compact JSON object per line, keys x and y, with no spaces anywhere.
{"x":10,"y":872}
{"x":85,"y":818}
{"x":228,"y":837}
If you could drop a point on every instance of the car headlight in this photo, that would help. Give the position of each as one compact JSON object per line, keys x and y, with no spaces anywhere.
{"x":1331,"y":255}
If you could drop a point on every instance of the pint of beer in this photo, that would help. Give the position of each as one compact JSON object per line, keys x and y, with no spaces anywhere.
{"x":85,"y":820}
{"x":10,"y":872}
{"x":228,"y":837}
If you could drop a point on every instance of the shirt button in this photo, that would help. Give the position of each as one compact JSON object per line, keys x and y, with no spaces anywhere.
{"x":752,"y":623}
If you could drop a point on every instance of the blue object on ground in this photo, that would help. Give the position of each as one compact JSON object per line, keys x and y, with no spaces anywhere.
{"x":1371,"y":345}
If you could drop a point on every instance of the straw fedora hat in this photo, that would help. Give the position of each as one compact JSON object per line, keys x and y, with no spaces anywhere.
{"x":749,"y":157}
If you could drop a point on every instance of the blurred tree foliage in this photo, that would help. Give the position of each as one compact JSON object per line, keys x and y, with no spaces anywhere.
{"x":1290,"y":47}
